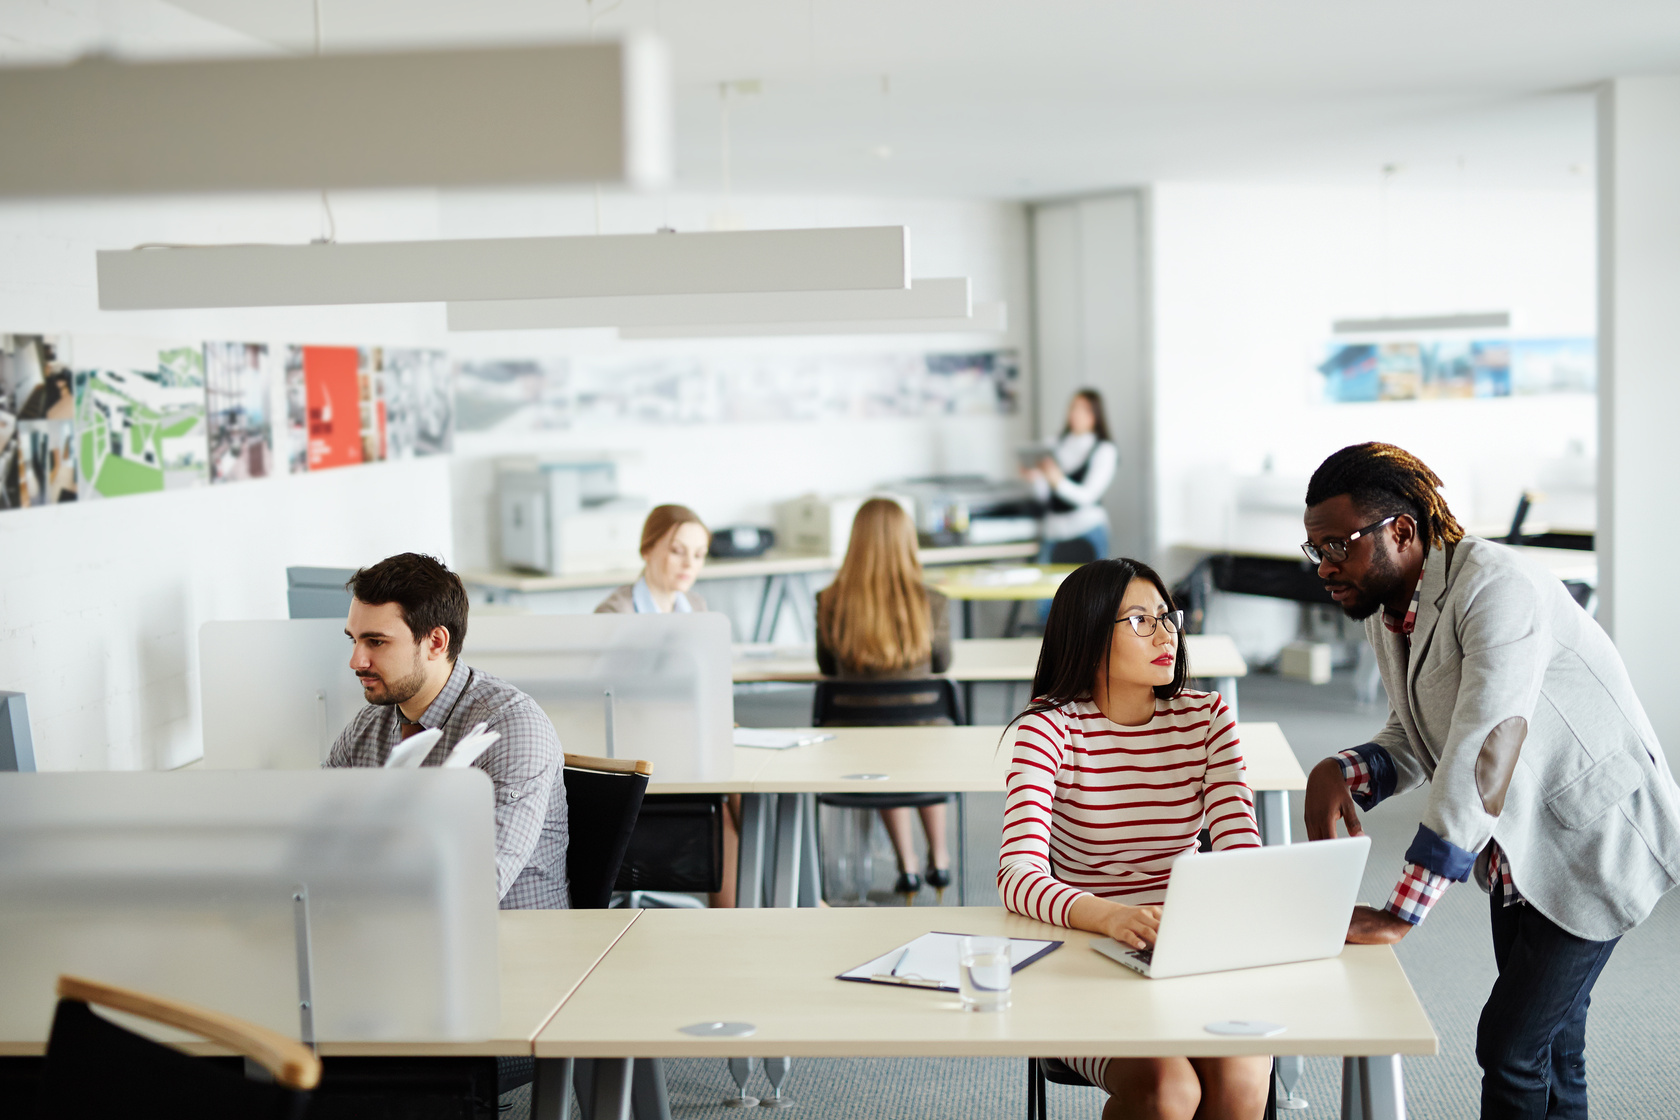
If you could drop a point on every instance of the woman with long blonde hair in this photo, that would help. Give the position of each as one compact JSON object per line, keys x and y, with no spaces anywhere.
{"x":879,"y":620}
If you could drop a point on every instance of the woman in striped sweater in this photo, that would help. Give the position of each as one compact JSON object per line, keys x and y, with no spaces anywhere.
{"x":1117,"y":769}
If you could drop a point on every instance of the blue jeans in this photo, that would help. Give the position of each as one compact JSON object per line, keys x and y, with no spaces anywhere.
{"x":1532,"y":1039}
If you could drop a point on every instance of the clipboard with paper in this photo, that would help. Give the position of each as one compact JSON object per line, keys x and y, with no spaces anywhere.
{"x":930,"y":961}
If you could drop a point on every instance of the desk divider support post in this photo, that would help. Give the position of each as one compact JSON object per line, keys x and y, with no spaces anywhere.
{"x":789,"y":832}
{"x":305,"y":965}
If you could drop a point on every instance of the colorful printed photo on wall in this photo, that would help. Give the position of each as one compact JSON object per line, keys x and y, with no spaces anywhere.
{"x":323,"y":407}
{"x":1554,"y":365}
{"x":416,"y":401}
{"x":140,"y":416}
{"x":37,"y":423}
{"x":1399,"y":371}
{"x":1351,"y":373}
{"x":238,"y":390}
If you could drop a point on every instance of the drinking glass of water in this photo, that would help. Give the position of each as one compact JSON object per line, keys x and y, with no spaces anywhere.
{"x":983,"y":972}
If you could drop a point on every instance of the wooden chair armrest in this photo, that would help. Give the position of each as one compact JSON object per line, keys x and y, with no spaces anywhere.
{"x":292,"y":1064}
{"x":610,"y":765}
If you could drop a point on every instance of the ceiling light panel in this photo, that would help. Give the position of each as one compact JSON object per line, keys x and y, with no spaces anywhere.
{"x":989,"y":317}
{"x":924,"y":299}
{"x":652,"y":264}
{"x":580,"y":112}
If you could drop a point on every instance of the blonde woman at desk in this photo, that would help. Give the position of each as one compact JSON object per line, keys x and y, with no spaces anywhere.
{"x":879,"y":620}
{"x":674,"y":546}
{"x":1117,"y":769}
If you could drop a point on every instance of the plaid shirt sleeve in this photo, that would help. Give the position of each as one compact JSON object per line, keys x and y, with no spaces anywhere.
{"x":1356,"y":774}
{"x":1415,"y":893}
{"x":523,"y":766}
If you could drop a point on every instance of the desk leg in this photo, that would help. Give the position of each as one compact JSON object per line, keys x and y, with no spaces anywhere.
{"x":1271,"y":807}
{"x":551,"y":1090}
{"x":610,"y":1095}
{"x":1372,"y":1088}
{"x":749,"y":865}
{"x":770,"y":608}
{"x":968,"y":618}
{"x":1227,"y":688}
{"x":810,"y":859}
{"x":967,"y":702}
{"x":962,"y":849}
{"x":648,"y":1097}
{"x":790,"y":830}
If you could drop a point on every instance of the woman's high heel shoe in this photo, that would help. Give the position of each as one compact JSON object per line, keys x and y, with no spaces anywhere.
{"x":939,"y":878}
{"x":908,"y":884}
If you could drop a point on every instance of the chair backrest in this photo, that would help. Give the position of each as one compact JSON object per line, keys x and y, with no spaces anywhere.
{"x":677,"y":846}
{"x":895,"y":702}
{"x":95,"y":1068}
{"x":603,"y":800}
{"x":1077,"y":550}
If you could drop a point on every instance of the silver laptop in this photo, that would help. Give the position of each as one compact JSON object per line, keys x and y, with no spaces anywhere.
{"x":1251,"y":907}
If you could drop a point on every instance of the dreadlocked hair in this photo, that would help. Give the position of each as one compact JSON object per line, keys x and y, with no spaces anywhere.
{"x":1383,"y":479}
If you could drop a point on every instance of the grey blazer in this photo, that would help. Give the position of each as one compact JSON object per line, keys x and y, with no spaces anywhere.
{"x":1515,"y":706}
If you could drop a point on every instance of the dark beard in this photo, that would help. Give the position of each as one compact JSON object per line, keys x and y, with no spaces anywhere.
{"x":404,"y":690}
{"x":1381,"y":581}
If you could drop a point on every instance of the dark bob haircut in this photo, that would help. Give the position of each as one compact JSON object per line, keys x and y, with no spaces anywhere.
{"x":1080,"y":628}
{"x":429,"y":595}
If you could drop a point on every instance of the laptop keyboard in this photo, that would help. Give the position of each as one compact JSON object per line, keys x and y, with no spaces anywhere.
{"x":1144,"y":955}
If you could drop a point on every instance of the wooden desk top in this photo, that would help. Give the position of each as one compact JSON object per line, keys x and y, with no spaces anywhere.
{"x":772,"y":563}
{"x":676,"y":967}
{"x":973,"y":659}
{"x":544,"y":957}
{"x":948,"y":759}
{"x":994,"y":583}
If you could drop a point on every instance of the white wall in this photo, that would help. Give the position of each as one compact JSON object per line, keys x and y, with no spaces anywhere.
{"x":735,"y":473}
{"x":1247,"y":279}
{"x":100,"y":604}
{"x":1639,"y":185}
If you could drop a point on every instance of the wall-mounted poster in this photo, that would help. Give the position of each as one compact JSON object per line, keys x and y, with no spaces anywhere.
{"x":37,"y":423}
{"x":323,"y":398}
{"x":240,"y":413}
{"x":1457,"y":368}
{"x":140,"y":416}
{"x":408,"y":406}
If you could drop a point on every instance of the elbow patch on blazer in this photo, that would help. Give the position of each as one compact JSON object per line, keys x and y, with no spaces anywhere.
{"x":1497,"y":761}
{"x":1442,"y":857}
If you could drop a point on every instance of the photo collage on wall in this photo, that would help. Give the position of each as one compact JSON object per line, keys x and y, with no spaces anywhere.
{"x":1455,"y":368}
{"x":88,"y":417}
{"x":540,"y":394}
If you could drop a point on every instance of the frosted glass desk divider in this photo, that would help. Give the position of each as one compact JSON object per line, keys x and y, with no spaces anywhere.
{"x":275,"y":693}
{"x":648,"y":686}
{"x":187,"y":884}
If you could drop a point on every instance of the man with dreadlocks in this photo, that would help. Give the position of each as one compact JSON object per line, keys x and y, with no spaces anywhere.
{"x":1546,"y":779}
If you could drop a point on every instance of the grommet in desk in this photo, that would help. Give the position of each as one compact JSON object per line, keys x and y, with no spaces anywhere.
{"x":719,"y":1030}
{"x":1246,"y":1028}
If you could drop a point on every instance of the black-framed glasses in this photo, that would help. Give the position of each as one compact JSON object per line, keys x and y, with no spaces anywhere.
{"x":1335,"y":549}
{"x":1143,"y":625}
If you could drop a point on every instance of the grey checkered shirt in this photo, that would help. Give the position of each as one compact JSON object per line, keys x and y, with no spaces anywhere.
{"x":525,"y":766}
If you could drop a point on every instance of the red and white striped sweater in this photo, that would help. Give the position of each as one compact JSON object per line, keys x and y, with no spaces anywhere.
{"x":1095,"y":807}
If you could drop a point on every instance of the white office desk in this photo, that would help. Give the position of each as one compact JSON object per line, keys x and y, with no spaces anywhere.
{"x":959,"y":760}
{"x":775,"y":970}
{"x":544,"y":956}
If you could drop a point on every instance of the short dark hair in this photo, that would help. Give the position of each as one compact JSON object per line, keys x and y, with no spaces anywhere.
{"x":1383,"y":479}
{"x":1080,"y":628}
{"x":429,"y":594}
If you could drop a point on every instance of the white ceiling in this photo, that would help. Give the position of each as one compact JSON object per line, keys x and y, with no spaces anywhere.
{"x":1027,"y":98}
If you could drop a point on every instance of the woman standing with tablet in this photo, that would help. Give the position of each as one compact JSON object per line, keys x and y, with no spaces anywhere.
{"x":1070,"y":482}
{"x":879,"y":620}
{"x":1117,"y":769}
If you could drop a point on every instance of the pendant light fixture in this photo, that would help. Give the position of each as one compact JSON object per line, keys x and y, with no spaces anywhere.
{"x":528,"y":268}
{"x":569,"y":113}
{"x":925,"y":299}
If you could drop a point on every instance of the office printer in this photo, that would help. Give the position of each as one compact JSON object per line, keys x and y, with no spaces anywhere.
{"x":971,"y":509}
{"x":565,"y":517}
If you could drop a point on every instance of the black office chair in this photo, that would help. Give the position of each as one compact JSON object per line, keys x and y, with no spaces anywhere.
{"x":95,"y":1069}
{"x":1076,"y":551}
{"x":883,"y":703}
{"x":1042,"y":1071}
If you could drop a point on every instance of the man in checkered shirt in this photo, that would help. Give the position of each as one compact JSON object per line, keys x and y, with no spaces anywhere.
{"x":408,"y":621}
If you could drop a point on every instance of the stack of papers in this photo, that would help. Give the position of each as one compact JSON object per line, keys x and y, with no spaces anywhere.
{"x":931,"y":961}
{"x":778,"y":738}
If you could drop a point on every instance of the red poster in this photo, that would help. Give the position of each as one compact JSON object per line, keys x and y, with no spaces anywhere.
{"x":335,"y":412}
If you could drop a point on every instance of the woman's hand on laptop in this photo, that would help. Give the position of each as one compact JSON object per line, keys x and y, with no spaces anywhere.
{"x":1371,"y":926}
{"x":1328,"y":801}
{"x":1134,"y":925}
